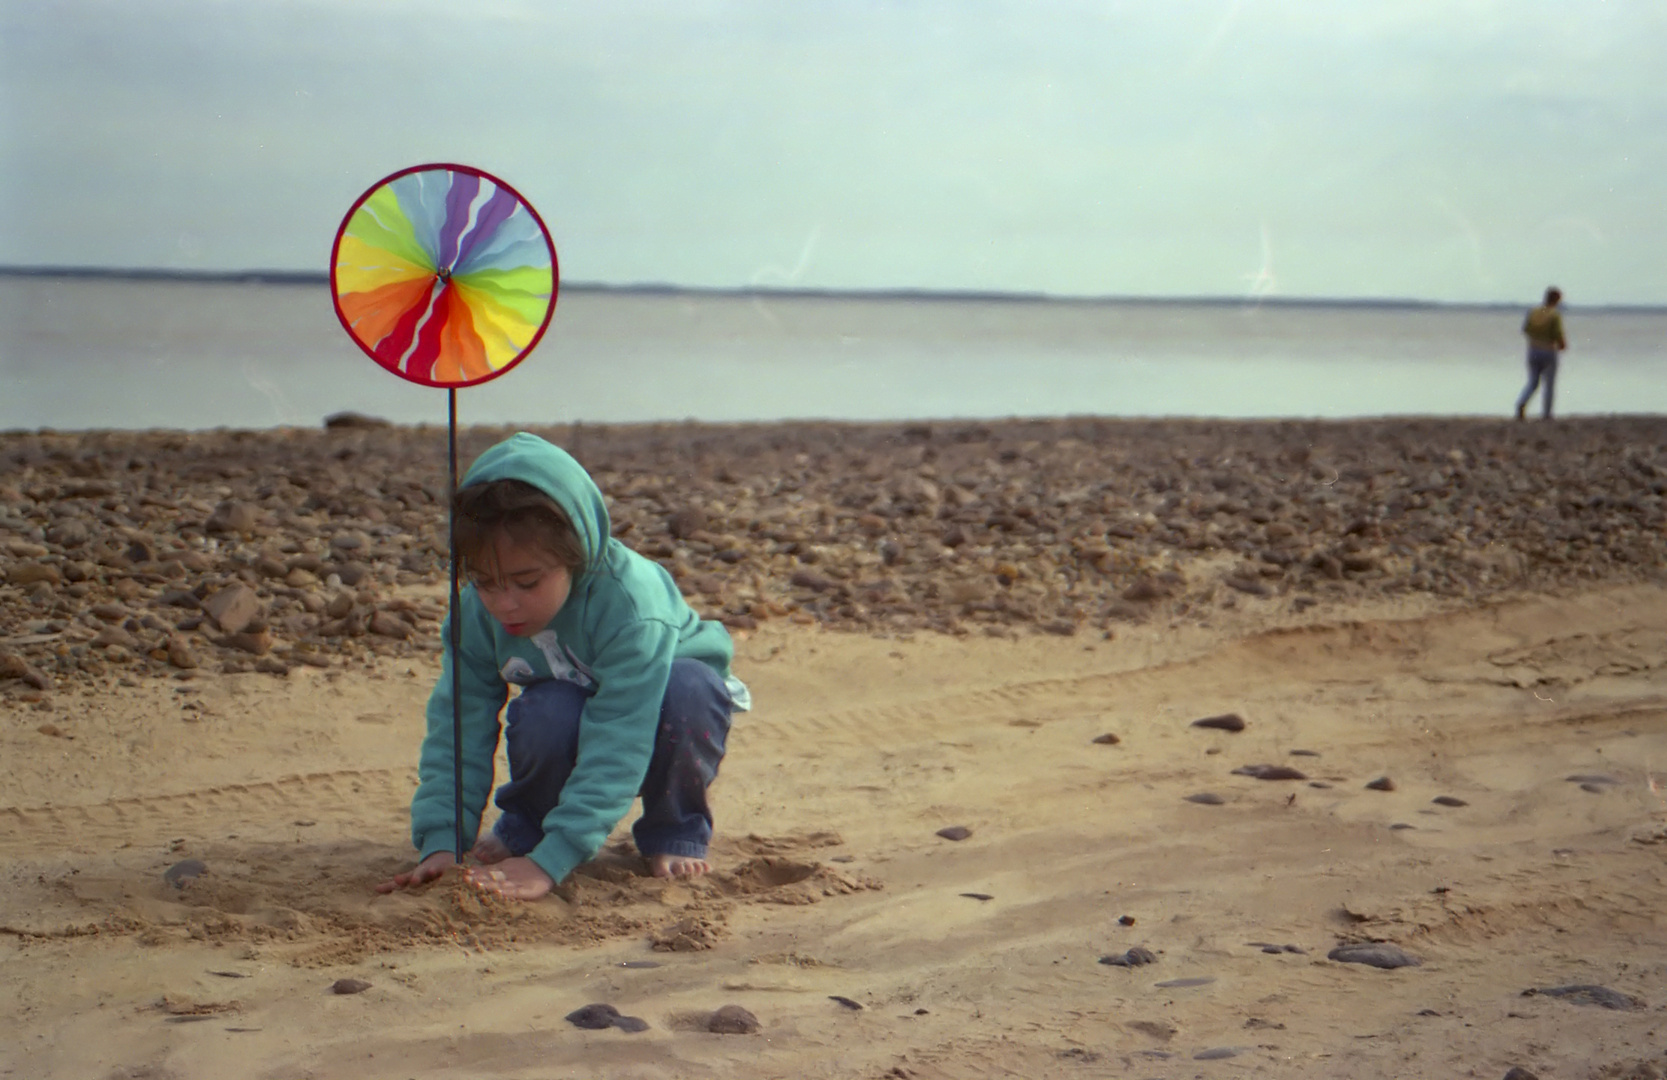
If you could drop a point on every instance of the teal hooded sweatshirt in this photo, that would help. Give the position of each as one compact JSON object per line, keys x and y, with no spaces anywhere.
{"x":623,"y":624}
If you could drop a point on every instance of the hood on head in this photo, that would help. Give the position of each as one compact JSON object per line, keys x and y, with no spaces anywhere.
{"x":552,"y":470}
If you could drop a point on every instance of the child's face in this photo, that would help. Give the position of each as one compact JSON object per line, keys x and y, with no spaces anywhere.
{"x":530,"y":588}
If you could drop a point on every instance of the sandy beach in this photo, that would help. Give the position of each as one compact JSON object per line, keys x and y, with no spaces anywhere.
{"x":971,"y":829}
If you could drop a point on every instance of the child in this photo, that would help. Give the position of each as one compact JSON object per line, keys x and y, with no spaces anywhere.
{"x":624,"y":689}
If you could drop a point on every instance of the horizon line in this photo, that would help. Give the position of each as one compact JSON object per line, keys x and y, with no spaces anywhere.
{"x":651,"y":288}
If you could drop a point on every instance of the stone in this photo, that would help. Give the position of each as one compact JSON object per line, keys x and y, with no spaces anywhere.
{"x":232,"y":517}
{"x":1382,"y":783}
{"x":1226,"y":722}
{"x":732,"y":1020}
{"x":233,"y":608}
{"x":30,"y":573}
{"x":387,"y":624}
{"x":1135,"y":957}
{"x":684,"y":523}
{"x":1590,"y":994}
{"x":1374,"y":954}
{"x":349,"y":986}
{"x":179,"y":653}
{"x":254,"y":642}
{"x":1270,"y":772}
{"x":955,"y":832}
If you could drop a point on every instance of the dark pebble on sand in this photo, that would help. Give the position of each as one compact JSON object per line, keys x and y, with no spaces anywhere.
{"x":978,"y":896}
{"x":1519,"y":1073}
{"x":1588,"y":994}
{"x":1375,"y":954}
{"x":732,"y":1020}
{"x":639,"y":963}
{"x":1175,"y":984}
{"x":1270,"y":772}
{"x":843,"y":858}
{"x":1399,"y":825}
{"x":1206,"y":798}
{"x":1319,"y":784}
{"x":1224,"y":722}
{"x":1108,"y":739}
{"x":1135,"y":957}
{"x":955,"y":832}
{"x":184,"y":872}
{"x":1305,"y":753}
{"x":598,"y":1016}
{"x":349,"y":986}
{"x":1448,"y":800}
{"x":1125,"y":920}
{"x":1274,"y":949}
{"x":1382,"y":783}
{"x":845,"y":1001}
{"x":1216,"y":1053}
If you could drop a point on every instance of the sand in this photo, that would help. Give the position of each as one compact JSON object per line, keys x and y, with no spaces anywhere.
{"x":832,"y":886}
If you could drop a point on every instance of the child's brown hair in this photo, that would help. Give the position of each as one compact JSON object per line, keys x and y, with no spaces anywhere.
{"x":481,"y":513}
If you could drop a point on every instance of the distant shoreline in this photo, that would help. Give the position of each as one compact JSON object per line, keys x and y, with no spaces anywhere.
{"x":307,"y":277}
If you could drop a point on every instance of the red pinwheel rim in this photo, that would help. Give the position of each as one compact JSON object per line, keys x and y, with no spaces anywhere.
{"x":444,"y":166}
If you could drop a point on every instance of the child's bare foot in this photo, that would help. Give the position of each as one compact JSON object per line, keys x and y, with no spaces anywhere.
{"x":675,"y":866}
{"x":489,"y":849}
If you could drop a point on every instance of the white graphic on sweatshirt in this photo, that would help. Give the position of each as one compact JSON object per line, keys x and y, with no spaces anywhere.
{"x":564,"y":666}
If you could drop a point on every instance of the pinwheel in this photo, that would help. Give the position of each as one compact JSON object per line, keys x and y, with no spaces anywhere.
{"x":445,"y":276}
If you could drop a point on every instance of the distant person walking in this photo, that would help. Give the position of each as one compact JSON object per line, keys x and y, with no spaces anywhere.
{"x":1544,"y":328}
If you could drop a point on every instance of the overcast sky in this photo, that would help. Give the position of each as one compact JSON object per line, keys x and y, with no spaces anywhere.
{"x":1457,"y":150}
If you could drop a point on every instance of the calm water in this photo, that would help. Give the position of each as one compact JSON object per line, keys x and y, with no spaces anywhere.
{"x":80,"y":353}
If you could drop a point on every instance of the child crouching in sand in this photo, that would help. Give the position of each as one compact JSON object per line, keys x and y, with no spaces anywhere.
{"x":624,"y":689}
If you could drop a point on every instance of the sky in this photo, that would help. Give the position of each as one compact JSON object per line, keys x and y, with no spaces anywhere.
{"x":1464,"y":151}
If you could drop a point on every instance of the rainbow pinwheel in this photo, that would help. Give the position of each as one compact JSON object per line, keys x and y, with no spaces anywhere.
{"x":444,"y":275}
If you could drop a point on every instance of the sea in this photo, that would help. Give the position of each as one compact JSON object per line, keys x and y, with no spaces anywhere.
{"x":90,"y":351}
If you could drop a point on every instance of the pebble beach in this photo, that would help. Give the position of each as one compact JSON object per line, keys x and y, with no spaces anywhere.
{"x":214,"y":648}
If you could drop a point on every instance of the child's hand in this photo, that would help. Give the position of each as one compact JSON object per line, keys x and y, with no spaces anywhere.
{"x":516,"y":878}
{"x":430,"y":868}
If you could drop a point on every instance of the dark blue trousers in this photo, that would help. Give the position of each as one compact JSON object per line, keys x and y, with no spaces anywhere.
{"x":1542,"y":371}
{"x":541,"y":738}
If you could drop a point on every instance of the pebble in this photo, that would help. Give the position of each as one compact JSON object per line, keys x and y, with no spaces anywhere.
{"x":1517,"y":1072}
{"x":1376,"y":954}
{"x":184,"y":872}
{"x":1589,"y":994}
{"x":1382,"y":783}
{"x":1225,"y":722}
{"x":1217,"y":1053}
{"x":1108,"y":739}
{"x":978,"y":896}
{"x":349,"y":986}
{"x":1448,"y":800}
{"x":955,"y":832}
{"x":1270,"y":772}
{"x":732,"y":1020}
{"x":1135,"y":957}
{"x":845,"y":1001}
{"x":600,"y":1015}
{"x":1206,"y":798}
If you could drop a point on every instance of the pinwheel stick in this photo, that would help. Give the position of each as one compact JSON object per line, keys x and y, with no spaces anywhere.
{"x":455,"y":627}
